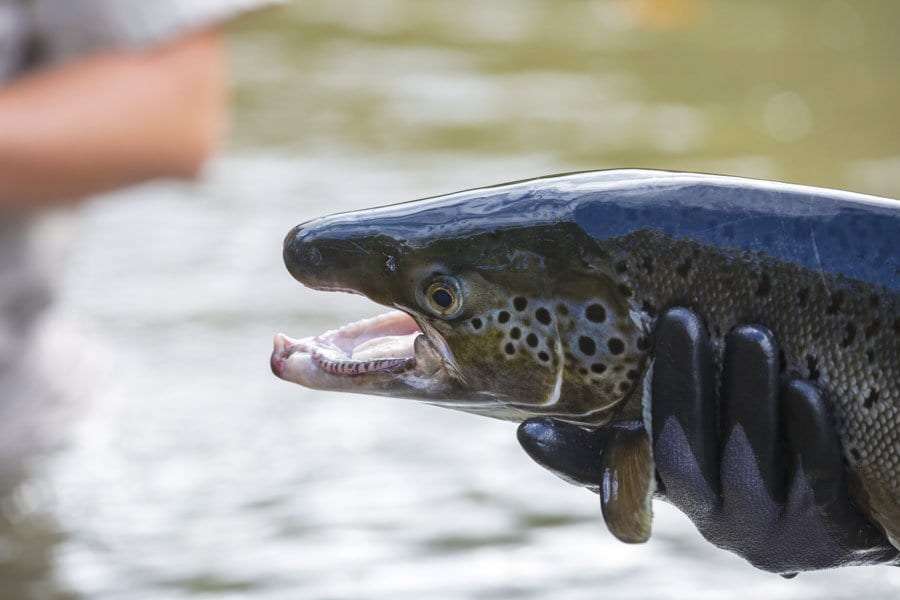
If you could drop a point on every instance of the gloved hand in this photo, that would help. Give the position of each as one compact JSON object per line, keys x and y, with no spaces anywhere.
{"x":757,"y":468}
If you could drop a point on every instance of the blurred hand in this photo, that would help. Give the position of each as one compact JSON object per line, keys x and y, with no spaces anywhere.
{"x":111,"y":119}
{"x":765,"y":481}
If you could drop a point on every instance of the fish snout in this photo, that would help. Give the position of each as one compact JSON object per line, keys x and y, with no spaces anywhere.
{"x":303,"y":254}
{"x":328,"y":255}
{"x":318,"y":256}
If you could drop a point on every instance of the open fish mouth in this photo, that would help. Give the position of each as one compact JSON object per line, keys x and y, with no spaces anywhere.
{"x":375,"y":353}
{"x":385,"y":343}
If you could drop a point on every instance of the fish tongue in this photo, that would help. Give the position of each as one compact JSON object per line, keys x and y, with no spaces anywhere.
{"x":389,"y":346}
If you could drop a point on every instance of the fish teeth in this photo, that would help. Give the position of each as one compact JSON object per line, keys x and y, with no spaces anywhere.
{"x":358,"y":367}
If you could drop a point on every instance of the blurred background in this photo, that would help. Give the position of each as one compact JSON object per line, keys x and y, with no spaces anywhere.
{"x":195,"y":473}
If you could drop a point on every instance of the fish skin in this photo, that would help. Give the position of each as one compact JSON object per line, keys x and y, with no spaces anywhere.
{"x":817,"y":267}
{"x":819,"y":270}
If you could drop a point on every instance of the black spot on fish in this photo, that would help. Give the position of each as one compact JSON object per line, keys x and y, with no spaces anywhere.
{"x":543,"y":356}
{"x":531,"y":340}
{"x":855,"y":454}
{"x":648,"y":308}
{"x":632,"y":374}
{"x":872,"y":329}
{"x":503,"y":317}
{"x":598,"y":368}
{"x":621,"y":267}
{"x":515,"y":333}
{"x":542,"y":315}
{"x":509,"y":348}
{"x":849,"y":335}
{"x":837,"y":300}
{"x":476,"y":323}
{"x":802,"y":297}
{"x":812,"y":365}
{"x":684,"y":268}
{"x":587,"y":345}
{"x":595,"y":313}
{"x":520,"y":303}
{"x":624,"y":386}
{"x":871,"y":399}
{"x":765,"y":286}
{"x":616,"y":346}
{"x":562,"y":309}
{"x":625,"y":290}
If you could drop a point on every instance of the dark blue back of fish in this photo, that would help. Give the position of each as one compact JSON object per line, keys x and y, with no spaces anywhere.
{"x":827,"y":232}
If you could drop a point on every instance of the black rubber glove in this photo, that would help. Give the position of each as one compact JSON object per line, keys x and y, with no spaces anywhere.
{"x":757,"y":468}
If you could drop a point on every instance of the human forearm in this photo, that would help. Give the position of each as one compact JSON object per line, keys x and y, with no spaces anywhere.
{"x":110,"y":120}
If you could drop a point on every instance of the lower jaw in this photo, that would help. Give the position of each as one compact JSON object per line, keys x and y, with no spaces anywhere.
{"x":352,"y":368}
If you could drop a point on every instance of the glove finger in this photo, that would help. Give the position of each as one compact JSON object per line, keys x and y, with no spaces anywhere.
{"x":684,"y":412}
{"x":568,"y":451}
{"x":750,"y":404}
{"x":814,"y":445}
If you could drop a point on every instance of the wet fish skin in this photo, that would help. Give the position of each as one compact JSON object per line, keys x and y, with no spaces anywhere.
{"x":820,"y":271}
{"x":818,"y":267}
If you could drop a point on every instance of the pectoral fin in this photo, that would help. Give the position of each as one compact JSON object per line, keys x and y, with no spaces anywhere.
{"x":627,"y":482}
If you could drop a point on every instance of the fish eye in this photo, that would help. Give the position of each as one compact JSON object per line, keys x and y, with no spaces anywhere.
{"x":443,"y":298}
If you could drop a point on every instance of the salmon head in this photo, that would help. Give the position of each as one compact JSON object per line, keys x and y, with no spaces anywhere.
{"x":500,"y":303}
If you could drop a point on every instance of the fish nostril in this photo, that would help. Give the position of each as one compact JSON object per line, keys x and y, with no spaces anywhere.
{"x":312,"y":255}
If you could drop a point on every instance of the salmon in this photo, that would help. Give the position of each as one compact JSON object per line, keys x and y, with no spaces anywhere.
{"x":539,"y":297}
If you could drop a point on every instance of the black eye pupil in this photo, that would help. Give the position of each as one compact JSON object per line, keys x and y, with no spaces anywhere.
{"x":442,"y":298}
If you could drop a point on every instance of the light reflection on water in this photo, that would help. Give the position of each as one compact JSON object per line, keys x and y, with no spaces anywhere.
{"x":200,"y":474}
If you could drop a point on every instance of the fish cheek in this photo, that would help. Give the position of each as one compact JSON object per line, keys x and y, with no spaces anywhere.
{"x":481,"y":295}
{"x":491,"y":362}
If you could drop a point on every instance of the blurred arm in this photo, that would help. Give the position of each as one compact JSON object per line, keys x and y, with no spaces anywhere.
{"x":110,"y":120}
